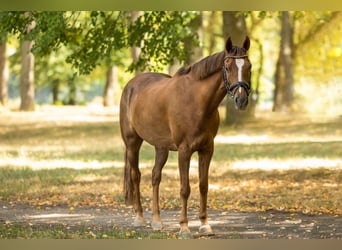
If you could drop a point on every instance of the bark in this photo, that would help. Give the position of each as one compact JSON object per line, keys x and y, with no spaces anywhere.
{"x":55,"y":90}
{"x":211,"y":33}
{"x":72,"y":91}
{"x":3,"y":74}
{"x":234,"y":25}
{"x":27,"y":73}
{"x":111,"y":82}
{"x":135,"y":51}
{"x":27,"y":77}
{"x":196,"y":27}
{"x":284,"y":87}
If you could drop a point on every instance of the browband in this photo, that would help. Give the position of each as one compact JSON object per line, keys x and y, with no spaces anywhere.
{"x":234,"y":57}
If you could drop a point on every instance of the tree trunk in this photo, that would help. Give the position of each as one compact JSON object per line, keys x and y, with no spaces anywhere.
{"x":55,"y":90}
{"x":135,"y":51}
{"x":235,"y":26}
{"x":27,"y":73}
{"x":27,"y":77}
{"x":212,"y":22}
{"x":3,"y":74}
{"x":72,"y":90}
{"x":111,"y":81}
{"x":284,"y":87}
{"x":196,"y":27}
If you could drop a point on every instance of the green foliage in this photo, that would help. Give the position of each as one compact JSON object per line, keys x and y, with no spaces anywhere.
{"x":80,"y":41}
{"x":97,"y":37}
{"x":161,"y":37}
{"x":14,"y":22}
{"x":50,"y":32}
{"x":102,"y":35}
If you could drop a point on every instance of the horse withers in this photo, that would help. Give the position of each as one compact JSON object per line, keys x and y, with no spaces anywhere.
{"x":180,"y":113}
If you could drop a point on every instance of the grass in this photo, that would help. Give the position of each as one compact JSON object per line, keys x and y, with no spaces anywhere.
{"x":19,"y":231}
{"x":74,"y":156}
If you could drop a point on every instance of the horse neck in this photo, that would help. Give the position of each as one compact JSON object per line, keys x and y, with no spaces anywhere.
{"x":212,"y":92}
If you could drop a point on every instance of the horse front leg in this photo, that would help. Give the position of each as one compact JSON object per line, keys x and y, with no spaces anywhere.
{"x":204,"y":156}
{"x":184,"y":156}
{"x":161,"y":157}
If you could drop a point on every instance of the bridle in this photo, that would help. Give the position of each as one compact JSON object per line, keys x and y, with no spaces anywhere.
{"x":231,"y":88}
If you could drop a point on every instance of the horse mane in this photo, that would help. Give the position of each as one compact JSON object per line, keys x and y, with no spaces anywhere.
{"x":209,"y":65}
{"x":205,"y":67}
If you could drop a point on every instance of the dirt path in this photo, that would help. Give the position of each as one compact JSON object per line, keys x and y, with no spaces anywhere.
{"x":226,"y":224}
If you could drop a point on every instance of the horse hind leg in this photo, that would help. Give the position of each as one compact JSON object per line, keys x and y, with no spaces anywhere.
{"x":160,"y":160}
{"x":132,"y":178}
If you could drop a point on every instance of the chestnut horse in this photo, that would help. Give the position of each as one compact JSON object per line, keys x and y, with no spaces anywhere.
{"x":180,"y":113}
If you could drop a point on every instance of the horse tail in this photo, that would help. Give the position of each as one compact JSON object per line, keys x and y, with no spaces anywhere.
{"x":131,"y":139}
{"x":128,"y":183}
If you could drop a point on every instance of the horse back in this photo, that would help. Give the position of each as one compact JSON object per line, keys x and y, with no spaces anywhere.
{"x":137,"y":84}
{"x":145,"y":79}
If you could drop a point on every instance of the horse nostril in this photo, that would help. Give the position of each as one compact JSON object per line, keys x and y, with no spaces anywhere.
{"x":236,"y":100}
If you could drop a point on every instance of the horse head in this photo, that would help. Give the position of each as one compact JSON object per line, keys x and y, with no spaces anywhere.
{"x":237,"y":72}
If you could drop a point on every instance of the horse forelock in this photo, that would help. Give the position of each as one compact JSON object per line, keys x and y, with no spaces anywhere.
{"x":205,"y":67}
{"x":237,"y":51}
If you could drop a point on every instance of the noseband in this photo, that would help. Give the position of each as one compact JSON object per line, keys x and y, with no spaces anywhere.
{"x":231,"y":89}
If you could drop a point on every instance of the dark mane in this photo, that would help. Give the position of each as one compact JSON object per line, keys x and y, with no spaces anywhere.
{"x":205,"y":67}
{"x":210,"y":64}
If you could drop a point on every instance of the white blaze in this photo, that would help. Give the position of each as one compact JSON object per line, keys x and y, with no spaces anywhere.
{"x":239,"y":63}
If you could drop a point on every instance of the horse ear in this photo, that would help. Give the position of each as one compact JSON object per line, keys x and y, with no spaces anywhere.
{"x":229,"y":44}
{"x":246,"y":43}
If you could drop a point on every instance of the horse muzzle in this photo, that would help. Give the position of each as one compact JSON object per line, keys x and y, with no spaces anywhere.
{"x":241,"y":102}
{"x":240,"y":92}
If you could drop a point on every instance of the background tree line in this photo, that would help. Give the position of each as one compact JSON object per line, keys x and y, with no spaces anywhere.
{"x":293,"y":53}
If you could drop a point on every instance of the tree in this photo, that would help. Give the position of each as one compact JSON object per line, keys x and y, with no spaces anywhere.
{"x":161,"y":37}
{"x":135,"y":50}
{"x":111,"y":81}
{"x":284,"y":82}
{"x":93,"y":37}
{"x":27,"y":72}
{"x":3,"y":73}
{"x":298,"y":29}
{"x":197,"y":28}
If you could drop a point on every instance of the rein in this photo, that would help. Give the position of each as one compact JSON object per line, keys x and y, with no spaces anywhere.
{"x":231,"y":89}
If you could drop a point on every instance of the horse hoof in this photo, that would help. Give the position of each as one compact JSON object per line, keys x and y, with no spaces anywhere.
{"x":157,"y":225}
{"x":185,"y":234}
{"x":139,"y":223}
{"x":206,"y":230}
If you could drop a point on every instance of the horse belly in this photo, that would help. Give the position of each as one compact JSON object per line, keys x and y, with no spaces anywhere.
{"x":151,"y":123}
